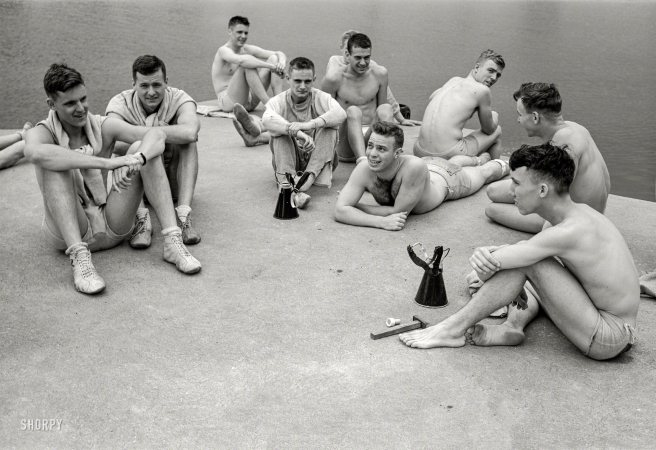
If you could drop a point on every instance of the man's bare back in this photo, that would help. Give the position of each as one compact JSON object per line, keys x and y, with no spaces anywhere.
{"x":442,"y":133}
{"x":450,"y":107}
{"x":591,"y":184}
{"x":599,"y":258}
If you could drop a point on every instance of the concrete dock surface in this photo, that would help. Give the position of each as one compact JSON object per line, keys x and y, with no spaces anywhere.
{"x":269,"y":347}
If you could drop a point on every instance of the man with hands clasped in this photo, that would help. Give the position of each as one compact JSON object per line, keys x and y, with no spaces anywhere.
{"x":71,"y":152}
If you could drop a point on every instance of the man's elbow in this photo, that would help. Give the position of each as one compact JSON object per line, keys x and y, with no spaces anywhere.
{"x":32,"y":154}
{"x":192,"y":133}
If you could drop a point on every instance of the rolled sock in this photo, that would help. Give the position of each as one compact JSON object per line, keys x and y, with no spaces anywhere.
{"x":183,"y":211}
{"x":70,"y":249}
{"x":171,"y":230}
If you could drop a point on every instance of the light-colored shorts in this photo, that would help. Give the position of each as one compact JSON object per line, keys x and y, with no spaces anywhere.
{"x":227,"y":105}
{"x":458,"y":182}
{"x":467,"y":146}
{"x":611,"y":338}
{"x":98,"y":236}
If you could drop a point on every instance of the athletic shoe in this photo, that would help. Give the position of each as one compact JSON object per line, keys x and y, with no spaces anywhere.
{"x":189,"y":235}
{"x":85,"y":276}
{"x":142,"y":232}
{"x":176,"y":253}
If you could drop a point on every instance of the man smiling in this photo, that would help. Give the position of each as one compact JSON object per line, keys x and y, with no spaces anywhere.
{"x":152,"y":103}
{"x":302,"y":123}
{"x":452,"y":105}
{"x":71,"y":152}
{"x":403,"y":184}
{"x":241,"y":73}
{"x":361,"y":89}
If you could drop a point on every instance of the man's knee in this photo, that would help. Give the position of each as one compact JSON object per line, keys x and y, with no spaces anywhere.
{"x":540,"y":267}
{"x":134,"y":148}
{"x":353,"y":113}
{"x":385,"y":112}
{"x":273,"y":59}
{"x":497,"y":132}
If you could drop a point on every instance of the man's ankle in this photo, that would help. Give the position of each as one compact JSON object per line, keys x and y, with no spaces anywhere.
{"x":76,"y":246}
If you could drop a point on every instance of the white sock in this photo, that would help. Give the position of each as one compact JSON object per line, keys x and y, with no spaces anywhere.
{"x":183,"y":211}
{"x":171,"y":230}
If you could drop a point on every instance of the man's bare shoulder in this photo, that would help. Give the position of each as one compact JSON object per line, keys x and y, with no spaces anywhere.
{"x":476,"y":89}
{"x":39,"y":135}
{"x":574,"y":136}
{"x":336,"y":75}
{"x":378,"y":71}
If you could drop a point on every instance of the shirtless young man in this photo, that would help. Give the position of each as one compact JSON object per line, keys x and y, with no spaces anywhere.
{"x":539,"y":108}
{"x":361,"y":89}
{"x":592,"y":297}
{"x":403,"y":184}
{"x":151,"y":102}
{"x":337,"y":62}
{"x":71,"y":152}
{"x":241,"y":73}
{"x":12,"y":147}
{"x":452,"y":105}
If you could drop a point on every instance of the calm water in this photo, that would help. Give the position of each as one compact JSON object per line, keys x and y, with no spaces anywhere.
{"x":601,"y":55}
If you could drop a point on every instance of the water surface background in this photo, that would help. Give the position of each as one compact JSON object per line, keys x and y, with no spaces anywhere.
{"x":602,"y":55}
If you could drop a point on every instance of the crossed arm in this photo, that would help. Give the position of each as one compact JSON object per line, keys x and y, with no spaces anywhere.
{"x":551,"y":241}
{"x":41,"y":150}
{"x":255,"y":58}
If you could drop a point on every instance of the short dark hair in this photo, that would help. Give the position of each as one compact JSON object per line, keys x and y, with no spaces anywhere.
{"x":389,"y":129}
{"x":548,"y":162}
{"x":541,"y":97}
{"x":358,"y":40}
{"x":301,"y":63}
{"x":494,"y":56}
{"x":147,"y":65}
{"x":238,"y":20}
{"x":60,"y":78}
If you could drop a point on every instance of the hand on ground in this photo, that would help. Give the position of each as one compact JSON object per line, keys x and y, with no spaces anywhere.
{"x":411,"y":123}
{"x":394,"y":222}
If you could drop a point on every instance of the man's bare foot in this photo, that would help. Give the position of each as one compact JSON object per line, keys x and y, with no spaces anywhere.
{"x":249,"y":141}
{"x":301,"y":200}
{"x":431,"y":337}
{"x":26,"y":127}
{"x":246,"y":120}
{"x":490,"y":335}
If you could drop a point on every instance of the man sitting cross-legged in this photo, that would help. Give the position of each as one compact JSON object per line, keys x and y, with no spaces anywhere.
{"x":361,"y":89}
{"x":590,"y":292}
{"x":337,"y":62}
{"x":71,"y":152}
{"x":402,"y":183}
{"x":12,"y":147}
{"x":539,"y":108}
{"x":452,"y":105}
{"x":303,"y":122}
{"x":241,"y":73}
{"x":151,"y":103}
